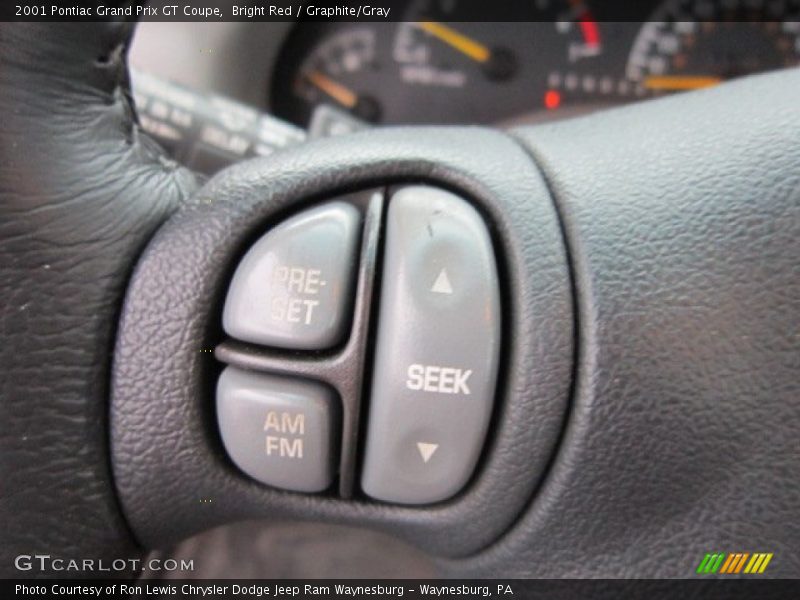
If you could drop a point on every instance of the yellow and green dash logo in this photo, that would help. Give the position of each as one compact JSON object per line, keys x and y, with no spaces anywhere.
{"x":731,"y":563}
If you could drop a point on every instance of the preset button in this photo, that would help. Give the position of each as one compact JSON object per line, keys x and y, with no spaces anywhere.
{"x":294,"y":288}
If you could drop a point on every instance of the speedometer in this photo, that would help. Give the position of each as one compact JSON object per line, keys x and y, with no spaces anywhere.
{"x":689,"y":44}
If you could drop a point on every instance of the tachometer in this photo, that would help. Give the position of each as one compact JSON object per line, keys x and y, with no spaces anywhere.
{"x":419,"y":47}
{"x":500,"y":69}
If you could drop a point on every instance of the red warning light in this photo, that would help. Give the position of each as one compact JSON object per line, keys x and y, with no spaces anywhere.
{"x":552,"y":99}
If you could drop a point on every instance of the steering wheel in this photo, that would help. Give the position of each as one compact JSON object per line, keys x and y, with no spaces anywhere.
{"x":648,"y":400}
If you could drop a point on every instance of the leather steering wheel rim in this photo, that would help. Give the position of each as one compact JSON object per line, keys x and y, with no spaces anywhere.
{"x":81,"y":192}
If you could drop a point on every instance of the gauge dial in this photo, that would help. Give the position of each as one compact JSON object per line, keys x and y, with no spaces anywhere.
{"x":499,"y":70}
{"x":332,"y":73}
{"x":690,"y":45}
{"x":434,"y":53}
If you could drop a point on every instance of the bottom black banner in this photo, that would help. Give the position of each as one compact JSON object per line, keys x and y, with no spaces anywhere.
{"x":593,"y":589}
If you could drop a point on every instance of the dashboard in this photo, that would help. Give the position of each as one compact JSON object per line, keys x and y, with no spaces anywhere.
{"x":437,"y":65}
{"x":570,"y":57}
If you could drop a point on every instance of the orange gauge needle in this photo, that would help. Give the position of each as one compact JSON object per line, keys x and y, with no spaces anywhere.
{"x":679,"y":82}
{"x":458,"y":41}
{"x":343,"y":95}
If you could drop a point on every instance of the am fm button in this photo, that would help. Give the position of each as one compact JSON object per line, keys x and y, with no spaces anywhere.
{"x":279,"y":430}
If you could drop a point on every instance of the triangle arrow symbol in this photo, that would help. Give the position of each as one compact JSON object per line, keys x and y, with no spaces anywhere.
{"x":426,"y":450}
{"x":442,"y":284}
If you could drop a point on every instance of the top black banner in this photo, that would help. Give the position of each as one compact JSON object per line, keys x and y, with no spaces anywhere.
{"x":391,"y":10}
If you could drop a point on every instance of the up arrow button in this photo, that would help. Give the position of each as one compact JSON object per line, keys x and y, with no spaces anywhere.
{"x":442,"y":284}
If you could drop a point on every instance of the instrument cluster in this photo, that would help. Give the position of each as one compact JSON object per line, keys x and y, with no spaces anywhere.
{"x":571,"y":57}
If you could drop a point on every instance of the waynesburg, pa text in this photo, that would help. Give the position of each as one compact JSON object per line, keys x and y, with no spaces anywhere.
{"x":260,"y":590}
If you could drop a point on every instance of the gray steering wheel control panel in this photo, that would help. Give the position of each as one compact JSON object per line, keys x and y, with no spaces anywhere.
{"x":431,"y":374}
{"x":410,"y":373}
